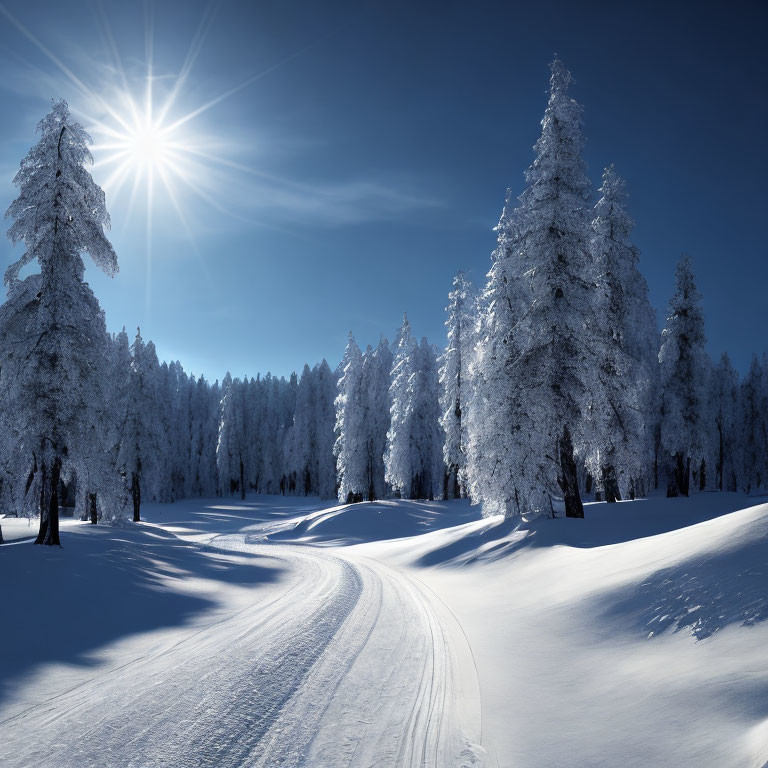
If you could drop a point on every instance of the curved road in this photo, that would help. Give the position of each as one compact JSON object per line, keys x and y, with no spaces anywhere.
{"x":350,"y":663}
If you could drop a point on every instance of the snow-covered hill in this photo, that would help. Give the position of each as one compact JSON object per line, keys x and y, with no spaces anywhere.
{"x":395,"y":633}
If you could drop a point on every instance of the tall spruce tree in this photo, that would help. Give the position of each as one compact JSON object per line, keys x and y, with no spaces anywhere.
{"x":723,"y":415}
{"x":497,"y":472}
{"x":538,"y":354}
{"x":53,"y":338}
{"x":752,"y":418}
{"x":454,"y":384}
{"x":413,"y":458}
{"x":377,"y":364}
{"x":684,"y":366}
{"x":351,"y":457}
{"x":627,"y":349}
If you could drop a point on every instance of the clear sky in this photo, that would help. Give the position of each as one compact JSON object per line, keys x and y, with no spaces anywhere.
{"x":325,"y":166}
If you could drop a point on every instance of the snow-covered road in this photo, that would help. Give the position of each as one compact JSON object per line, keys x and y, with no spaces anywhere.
{"x":347,"y":662}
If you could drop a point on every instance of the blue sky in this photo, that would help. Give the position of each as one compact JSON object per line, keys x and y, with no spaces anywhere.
{"x":343,"y":159}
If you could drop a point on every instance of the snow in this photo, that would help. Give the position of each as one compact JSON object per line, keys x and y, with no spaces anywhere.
{"x":283,"y":631}
{"x":18,"y":528}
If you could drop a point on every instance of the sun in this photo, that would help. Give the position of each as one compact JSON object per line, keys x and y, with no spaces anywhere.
{"x":148,"y":146}
{"x":133,"y":143}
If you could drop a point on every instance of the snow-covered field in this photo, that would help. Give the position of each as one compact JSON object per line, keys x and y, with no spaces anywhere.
{"x":288,"y":632}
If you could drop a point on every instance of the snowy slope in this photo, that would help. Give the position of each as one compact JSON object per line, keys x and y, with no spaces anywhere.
{"x":281,"y":631}
{"x":632,"y":638}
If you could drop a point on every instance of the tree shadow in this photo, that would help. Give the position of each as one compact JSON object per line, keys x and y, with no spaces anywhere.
{"x":62,"y":605}
{"x":701,"y":595}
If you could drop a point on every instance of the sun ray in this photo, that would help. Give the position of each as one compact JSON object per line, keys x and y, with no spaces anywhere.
{"x":250,"y":81}
{"x":196,"y":46}
{"x":65,"y":70}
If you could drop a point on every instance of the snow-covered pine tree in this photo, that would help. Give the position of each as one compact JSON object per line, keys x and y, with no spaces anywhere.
{"x":752,"y":428}
{"x":683,"y":366}
{"x":232,"y":449}
{"x":623,"y":443}
{"x":724,"y":411}
{"x":53,"y":339}
{"x":377,"y":365}
{"x":428,"y":434}
{"x":454,"y":383}
{"x":203,"y":438}
{"x":497,"y":429}
{"x":350,"y":446}
{"x":299,"y":454}
{"x":398,"y":459}
{"x":537,"y":353}
{"x":144,"y":445}
{"x":325,"y":426}
{"x":413,"y":459}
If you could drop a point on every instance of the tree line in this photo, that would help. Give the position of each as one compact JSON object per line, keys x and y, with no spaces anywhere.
{"x":554,"y":385}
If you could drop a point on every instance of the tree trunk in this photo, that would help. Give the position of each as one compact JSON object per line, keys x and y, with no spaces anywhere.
{"x":685,"y":479}
{"x":568,"y":478}
{"x":611,"y":484}
{"x":92,"y":507}
{"x":672,"y":489}
{"x":242,"y":480}
{"x":136,"y":496}
{"x":720,"y":457}
{"x":679,"y":483}
{"x":49,"y":532}
{"x":703,"y":476}
{"x":371,"y":483}
{"x":588,"y":483}
{"x":44,"y":506}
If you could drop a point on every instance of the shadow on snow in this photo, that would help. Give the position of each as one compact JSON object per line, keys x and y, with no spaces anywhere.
{"x":62,"y":605}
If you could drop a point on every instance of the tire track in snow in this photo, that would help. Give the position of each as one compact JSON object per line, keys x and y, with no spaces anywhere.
{"x":207,"y":700}
{"x":350,"y":665}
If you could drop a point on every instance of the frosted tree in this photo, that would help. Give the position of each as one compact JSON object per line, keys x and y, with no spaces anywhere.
{"x":310,"y":463}
{"x":454,"y":384}
{"x":231,"y":452}
{"x":497,"y":429}
{"x":176,"y":399}
{"x":427,"y":433}
{"x":399,"y":459}
{"x":753,"y":428}
{"x":299,"y":454}
{"x":536,"y":353}
{"x":144,"y":446}
{"x":53,"y":339}
{"x":377,"y":365}
{"x":323,"y":437}
{"x":271,"y":433}
{"x":350,"y":447}
{"x":683,"y":366}
{"x":627,"y":361}
{"x":202,"y":438}
{"x":724,"y":414}
{"x":413,"y":459}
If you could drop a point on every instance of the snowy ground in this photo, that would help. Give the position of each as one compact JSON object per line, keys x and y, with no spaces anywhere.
{"x":280,"y":632}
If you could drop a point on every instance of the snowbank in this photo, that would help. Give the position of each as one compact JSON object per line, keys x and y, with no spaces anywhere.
{"x":632,"y":638}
